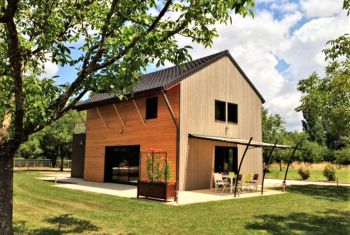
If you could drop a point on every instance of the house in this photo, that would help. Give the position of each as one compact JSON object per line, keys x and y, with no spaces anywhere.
{"x":190,"y":111}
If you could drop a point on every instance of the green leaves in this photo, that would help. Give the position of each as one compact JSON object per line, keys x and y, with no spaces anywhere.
{"x":116,"y":41}
{"x":325,"y":102}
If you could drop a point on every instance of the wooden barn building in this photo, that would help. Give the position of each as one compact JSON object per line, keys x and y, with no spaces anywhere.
{"x":191,"y":111}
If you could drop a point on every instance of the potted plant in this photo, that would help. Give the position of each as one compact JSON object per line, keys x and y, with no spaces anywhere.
{"x":158,"y":184}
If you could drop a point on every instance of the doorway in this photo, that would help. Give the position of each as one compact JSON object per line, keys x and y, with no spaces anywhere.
{"x":225,"y":159}
{"x":122,"y":164}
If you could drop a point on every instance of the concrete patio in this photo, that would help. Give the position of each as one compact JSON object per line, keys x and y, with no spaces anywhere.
{"x":63,"y":180}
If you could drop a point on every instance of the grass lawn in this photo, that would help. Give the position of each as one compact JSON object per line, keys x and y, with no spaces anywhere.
{"x":40,"y":208}
{"x":316,"y":173}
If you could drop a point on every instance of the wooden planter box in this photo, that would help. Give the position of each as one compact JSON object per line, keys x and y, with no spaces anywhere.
{"x":156,"y":190}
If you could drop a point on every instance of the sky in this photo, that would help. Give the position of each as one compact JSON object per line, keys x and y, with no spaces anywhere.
{"x":281,"y":45}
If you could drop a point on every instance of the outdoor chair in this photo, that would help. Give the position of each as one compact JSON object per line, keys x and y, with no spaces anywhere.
{"x":220,"y":182}
{"x":239,"y":180}
{"x":253,"y":184}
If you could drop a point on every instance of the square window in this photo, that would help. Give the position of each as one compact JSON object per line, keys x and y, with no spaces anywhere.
{"x":152,"y":107}
{"x":232,"y":112}
{"x":220,"y":110}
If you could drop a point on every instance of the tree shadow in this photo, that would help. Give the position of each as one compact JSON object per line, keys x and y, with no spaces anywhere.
{"x":324,"y":222}
{"x":330,"y":193}
{"x":62,"y":224}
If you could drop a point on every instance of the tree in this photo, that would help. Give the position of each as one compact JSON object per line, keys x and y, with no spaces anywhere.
{"x":311,"y":106}
{"x":273,"y":128}
{"x":57,"y":138}
{"x":116,"y":40}
{"x":325,"y":102}
{"x":30,"y":148}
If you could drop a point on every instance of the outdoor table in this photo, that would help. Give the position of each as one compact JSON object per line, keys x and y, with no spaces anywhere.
{"x":232,"y":178}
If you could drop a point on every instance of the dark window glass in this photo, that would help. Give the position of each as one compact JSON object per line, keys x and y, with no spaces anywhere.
{"x":225,"y":159}
{"x":220,"y":110}
{"x":151,"y":107}
{"x":232,"y":112}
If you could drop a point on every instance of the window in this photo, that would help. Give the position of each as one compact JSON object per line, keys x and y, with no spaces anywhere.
{"x":220,"y":110}
{"x":232,"y":112}
{"x":151,"y":108}
{"x":225,"y":159}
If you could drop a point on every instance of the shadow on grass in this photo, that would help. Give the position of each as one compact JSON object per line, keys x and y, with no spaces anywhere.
{"x":325,"y":222}
{"x":62,"y":224}
{"x":331,"y":193}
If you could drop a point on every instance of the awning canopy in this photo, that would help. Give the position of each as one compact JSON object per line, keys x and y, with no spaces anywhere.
{"x":239,"y":141}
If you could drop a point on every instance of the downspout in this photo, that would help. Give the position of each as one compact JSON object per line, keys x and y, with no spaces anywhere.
{"x":177,"y":143}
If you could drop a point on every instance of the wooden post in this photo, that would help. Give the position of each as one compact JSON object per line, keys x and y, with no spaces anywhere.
{"x":289,"y":162}
{"x":266,"y":167}
{"x":240,"y":164}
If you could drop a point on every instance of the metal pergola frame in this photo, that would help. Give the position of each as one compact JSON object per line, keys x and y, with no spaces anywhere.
{"x":253,"y":144}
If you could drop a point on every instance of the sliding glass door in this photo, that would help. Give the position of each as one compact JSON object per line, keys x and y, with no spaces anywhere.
{"x":122,"y":164}
{"x":225,"y":159}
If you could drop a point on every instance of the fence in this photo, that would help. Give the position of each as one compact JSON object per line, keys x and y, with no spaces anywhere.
{"x":40,"y":163}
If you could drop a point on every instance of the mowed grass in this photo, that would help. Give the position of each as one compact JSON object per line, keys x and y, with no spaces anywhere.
{"x":316,"y":172}
{"x":40,"y":208}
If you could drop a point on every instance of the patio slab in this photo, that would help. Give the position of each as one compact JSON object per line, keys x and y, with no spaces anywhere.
{"x":65,"y":181}
{"x":209,"y":195}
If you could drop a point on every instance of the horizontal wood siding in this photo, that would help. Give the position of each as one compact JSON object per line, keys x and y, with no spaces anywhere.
{"x":159,"y":133}
{"x":219,"y":81}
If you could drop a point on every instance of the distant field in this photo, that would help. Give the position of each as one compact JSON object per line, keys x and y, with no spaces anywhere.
{"x":316,"y":172}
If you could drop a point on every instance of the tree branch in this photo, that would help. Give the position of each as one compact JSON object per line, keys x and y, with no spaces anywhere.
{"x":104,"y":32}
{"x":93,"y":66}
{"x":136,"y":38}
{"x":73,"y":103}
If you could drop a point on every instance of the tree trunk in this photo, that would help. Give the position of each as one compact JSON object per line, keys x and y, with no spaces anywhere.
{"x":62,"y":161}
{"x":7,"y":152}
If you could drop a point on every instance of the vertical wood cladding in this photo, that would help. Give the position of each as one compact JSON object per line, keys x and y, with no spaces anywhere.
{"x":158,"y":133}
{"x":219,"y":81}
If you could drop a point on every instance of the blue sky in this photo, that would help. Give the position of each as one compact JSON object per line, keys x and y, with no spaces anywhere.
{"x":280,"y":46}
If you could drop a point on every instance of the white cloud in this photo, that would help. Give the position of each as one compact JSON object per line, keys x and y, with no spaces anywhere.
{"x":258,"y":44}
{"x":321,"y":8}
{"x":50,"y":68}
{"x":304,"y":51}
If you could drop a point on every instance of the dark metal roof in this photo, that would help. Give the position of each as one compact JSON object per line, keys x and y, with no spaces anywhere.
{"x":165,"y":78}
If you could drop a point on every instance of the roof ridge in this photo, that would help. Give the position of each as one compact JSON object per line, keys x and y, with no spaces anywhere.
{"x":177,"y":65}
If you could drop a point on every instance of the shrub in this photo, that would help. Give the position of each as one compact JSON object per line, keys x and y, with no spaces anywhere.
{"x":329,"y":172}
{"x":342,"y":156}
{"x":304,"y":173}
